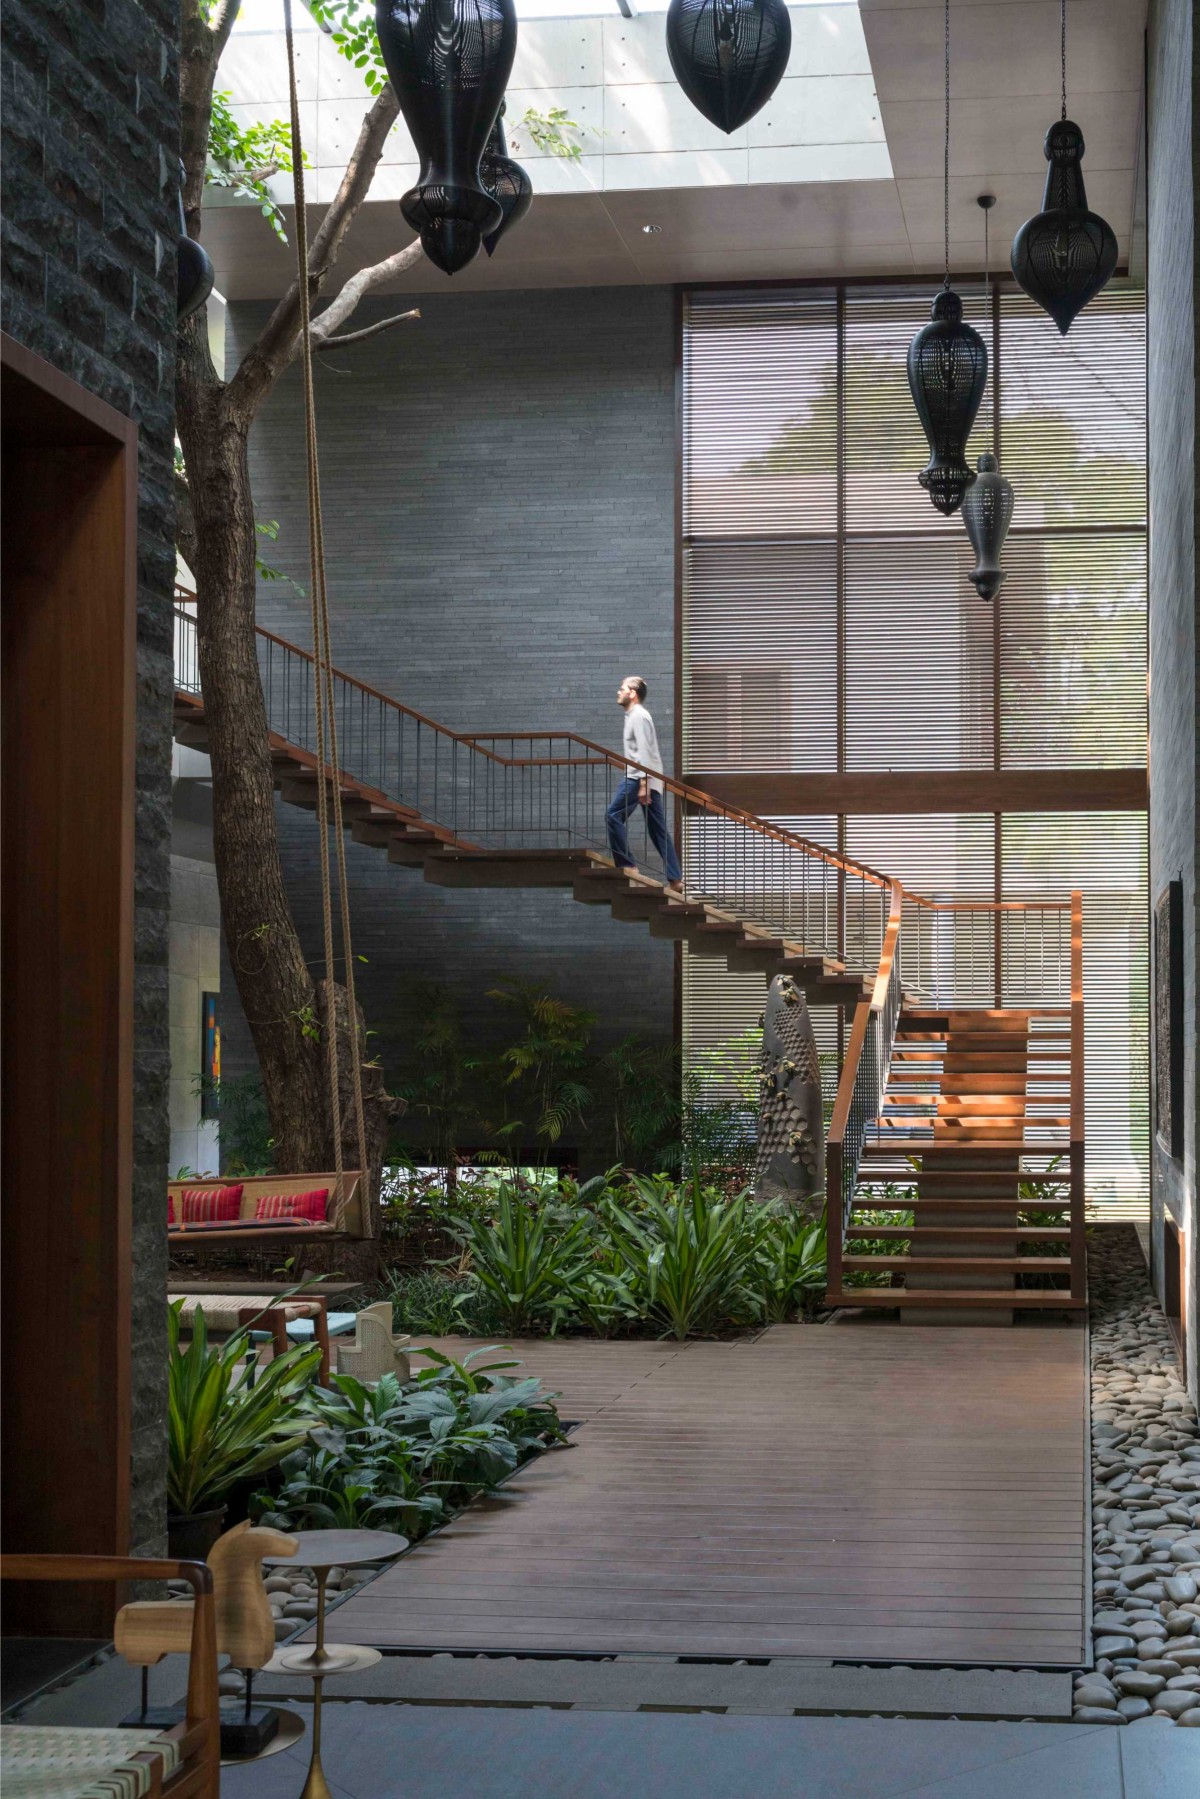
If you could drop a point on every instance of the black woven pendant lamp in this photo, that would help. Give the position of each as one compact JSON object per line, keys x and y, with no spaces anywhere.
{"x":449,"y":63}
{"x":728,"y":55}
{"x":987,"y":506}
{"x":506,"y":181}
{"x":194,"y":273}
{"x":947,"y":367}
{"x":1065,"y":254}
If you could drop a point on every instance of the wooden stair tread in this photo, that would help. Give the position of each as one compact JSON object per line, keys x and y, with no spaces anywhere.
{"x":970,"y":1233}
{"x":955,"y":1203}
{"x":961,"y":1264}
{"x":972,"y":1013}
{"x":968,"y":1176}
{"x":945,"y":1146}
{"x":1002,"y":1298}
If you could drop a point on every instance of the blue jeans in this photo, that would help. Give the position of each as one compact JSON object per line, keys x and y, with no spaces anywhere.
{"x":622,"y":806}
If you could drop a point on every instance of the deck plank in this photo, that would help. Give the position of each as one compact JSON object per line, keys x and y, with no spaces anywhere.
{"x":912,"y":1495}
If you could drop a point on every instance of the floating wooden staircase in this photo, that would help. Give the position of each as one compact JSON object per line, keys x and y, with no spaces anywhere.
{"x":451,"y":857}
{"x":967,"y":1202}
{"x":955,"y":1152}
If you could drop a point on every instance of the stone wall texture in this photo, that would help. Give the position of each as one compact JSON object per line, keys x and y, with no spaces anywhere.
{"x":1171,"y":285}
{"x":498,"y":482}
{"x":90,"y":148}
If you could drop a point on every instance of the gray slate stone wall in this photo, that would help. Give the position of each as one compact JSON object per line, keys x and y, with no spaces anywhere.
{"x":1171,"y":284}
{"x":90,"y":146}
{"x":499,"y":484}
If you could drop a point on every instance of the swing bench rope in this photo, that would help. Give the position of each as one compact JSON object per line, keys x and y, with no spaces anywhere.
{"x":325,"y":708}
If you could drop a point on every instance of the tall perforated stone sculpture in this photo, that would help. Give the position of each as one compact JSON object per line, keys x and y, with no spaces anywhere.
{"x":791,"y":1135}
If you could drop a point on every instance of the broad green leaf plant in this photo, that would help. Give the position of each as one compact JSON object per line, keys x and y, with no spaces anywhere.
{"x":409,"y":1454}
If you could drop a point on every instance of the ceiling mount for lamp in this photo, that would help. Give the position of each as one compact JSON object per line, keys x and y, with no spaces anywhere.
{"x":1064,"y":255}
{"x":947,"y":365}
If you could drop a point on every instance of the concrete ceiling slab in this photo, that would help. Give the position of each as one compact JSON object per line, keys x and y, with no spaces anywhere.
{"x":796,"y":210}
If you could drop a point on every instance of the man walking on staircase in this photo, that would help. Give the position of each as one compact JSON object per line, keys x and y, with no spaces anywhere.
{"x":639,"y":788}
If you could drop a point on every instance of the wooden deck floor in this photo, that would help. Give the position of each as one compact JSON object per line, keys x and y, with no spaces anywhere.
{"x":892,"y":1494}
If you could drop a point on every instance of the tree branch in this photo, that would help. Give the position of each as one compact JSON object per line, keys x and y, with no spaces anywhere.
{"x":278,"y":341}
{"x":356,"y":337}
{"x":358,"y":286}
{"x":221,"y":23}
{"x":200,"y":49}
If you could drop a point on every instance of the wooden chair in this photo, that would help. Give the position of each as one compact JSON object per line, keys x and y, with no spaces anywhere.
{"x":225,"y":1314}
{"x":374,"y":1351}
{"x":183,"y":1762}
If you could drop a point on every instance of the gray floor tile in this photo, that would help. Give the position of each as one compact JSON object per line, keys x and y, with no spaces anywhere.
{"x":1079,"y":1767}
{"x":279,"y":1777}
{"x":1159,"y":1762}
{"x":438,"y":1752}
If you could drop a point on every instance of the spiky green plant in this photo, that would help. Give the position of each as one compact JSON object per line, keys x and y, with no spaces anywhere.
{"x":688,"y":1254}
{"x":220,"y":1429}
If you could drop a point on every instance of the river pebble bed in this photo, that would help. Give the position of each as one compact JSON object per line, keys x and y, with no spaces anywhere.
{"x":1145,"y":1504}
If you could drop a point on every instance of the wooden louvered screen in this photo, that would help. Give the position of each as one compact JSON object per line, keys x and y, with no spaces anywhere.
{"x":1072,"y":617}
{"x":829,"y":626}
{"x":760,"y":521}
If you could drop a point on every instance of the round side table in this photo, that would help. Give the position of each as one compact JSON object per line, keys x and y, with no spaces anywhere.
{"x":322,"y":1550}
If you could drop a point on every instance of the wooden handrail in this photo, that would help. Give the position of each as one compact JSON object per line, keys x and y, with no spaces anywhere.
{"x":972,"y":905}
{"x":840,"y":1116}
{"x":477,"y":742}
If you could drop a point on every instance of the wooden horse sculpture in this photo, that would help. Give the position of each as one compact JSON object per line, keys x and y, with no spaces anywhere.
{"x":148,"y":1629}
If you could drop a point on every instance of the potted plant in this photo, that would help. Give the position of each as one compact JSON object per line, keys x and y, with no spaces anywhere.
{"x":222,"y":1430}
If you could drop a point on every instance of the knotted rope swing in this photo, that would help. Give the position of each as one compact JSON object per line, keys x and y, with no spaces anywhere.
{"x":323,"y":702}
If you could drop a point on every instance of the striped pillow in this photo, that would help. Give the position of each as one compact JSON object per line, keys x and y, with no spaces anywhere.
{"x":212,"y":1205}
{"x":312,"y":1205}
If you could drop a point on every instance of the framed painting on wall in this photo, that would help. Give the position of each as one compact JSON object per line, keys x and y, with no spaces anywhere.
{"x":210,"y":1055}
{"x":1168,"y":1019}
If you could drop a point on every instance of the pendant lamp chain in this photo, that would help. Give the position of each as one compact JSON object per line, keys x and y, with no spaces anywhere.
{"x":987,"y":300}
{"x":1065,"y":253}
{"x":946,"y":150}
{"x":1063,"y":36}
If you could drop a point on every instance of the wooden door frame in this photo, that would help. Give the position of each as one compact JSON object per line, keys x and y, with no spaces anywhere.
{"x":70,"y":627}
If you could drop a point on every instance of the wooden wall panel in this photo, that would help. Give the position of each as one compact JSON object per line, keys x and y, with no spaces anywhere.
{"x":68,"y":624}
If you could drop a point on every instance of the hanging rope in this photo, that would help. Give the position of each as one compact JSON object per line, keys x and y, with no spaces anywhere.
{"x":946,"y":156}
{"x":1062,"y":15}
{"x":323,"y":696}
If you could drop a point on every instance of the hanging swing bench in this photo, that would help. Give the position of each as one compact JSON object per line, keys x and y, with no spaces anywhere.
{"x":254,"y":1209}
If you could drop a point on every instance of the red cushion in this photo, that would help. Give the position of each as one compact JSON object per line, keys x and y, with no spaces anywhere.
{"x":212,"y":1205}
{"x":170,"y":1210}
{"x":311,"y":1205}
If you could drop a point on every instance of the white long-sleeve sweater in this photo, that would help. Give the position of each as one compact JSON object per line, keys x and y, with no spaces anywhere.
{"x":641,"y":745}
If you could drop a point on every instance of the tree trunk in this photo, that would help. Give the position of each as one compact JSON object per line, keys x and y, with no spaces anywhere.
{"x":277,"y":991}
